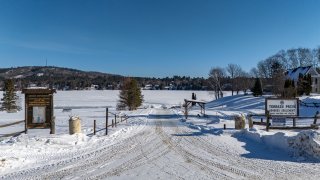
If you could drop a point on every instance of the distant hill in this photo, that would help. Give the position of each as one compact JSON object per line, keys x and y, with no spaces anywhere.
{"x":27,"y":71}
{"x":59,"y":77}
{"x":72,"y":79}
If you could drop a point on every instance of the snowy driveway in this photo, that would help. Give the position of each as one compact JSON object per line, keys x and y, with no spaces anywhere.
{"x":165,"y":148}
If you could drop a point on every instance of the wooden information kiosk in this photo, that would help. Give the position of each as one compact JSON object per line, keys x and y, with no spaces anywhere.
{"x":39,"y":109}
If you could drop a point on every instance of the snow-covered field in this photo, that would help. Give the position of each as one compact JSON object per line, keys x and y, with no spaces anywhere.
{"x":157,"y":142}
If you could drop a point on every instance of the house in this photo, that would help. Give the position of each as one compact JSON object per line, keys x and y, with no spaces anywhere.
{"x":148,"y":87}
{"x":314,"y":72}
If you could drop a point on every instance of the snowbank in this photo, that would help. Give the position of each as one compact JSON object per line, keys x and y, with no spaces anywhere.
{"x":312,"y":99}
{"x":304,"y":145}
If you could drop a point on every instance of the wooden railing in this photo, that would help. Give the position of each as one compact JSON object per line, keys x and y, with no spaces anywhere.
{"x":113,"y":124}
{"x":297,"y":122}
{"x":11,"y":124}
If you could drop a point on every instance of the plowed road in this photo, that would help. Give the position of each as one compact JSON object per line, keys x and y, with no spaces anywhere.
{"x":165,"y":148}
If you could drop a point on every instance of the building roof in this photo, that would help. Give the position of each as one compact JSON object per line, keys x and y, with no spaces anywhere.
{"x":294,"y":73}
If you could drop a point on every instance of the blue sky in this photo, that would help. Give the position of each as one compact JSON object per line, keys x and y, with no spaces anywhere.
{"x":155,"y":38}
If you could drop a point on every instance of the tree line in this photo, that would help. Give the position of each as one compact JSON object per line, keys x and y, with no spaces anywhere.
{"x":269,"y":75}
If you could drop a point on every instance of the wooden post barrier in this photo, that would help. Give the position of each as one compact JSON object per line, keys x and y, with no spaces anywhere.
{"x":268,"y":121}
{"x":115,"y":120}
{"x":186,"y":111}
{"x":261,"y":120}
{"x":112,"y":123}
{"x":107,"y":114}
{"x":224,"y":126}
{"x":94,"y":127}
{"x":294,"y":122}
{"x":250,"y":122}
{"x":316,"y":118}
{"x":25,"y":119}
{"x":53,"y":126}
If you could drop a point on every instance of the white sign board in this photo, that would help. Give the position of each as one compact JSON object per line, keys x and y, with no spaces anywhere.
{"x":39,"y":115}
{"x":282,"y":107}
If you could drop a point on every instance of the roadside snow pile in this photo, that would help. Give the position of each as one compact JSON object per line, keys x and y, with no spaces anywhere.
{"x":304,"y":145}
{"x":66,"y":140}
{"x":312,"y":99}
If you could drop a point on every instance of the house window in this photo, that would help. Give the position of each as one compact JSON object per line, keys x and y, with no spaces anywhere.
{"x":316,"y":81}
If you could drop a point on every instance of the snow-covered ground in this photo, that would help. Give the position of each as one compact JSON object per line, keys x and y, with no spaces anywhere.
{"x":158,"y":143}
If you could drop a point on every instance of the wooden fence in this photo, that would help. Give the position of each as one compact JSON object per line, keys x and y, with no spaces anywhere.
{"x":116,"y":120}
{"x":296,"y":122}
{"x":312,"y":104}
{"x":11,"y":124}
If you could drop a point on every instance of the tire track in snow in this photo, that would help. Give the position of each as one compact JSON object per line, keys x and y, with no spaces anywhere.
{"x":58,"y":169}
{"x":214,"y":170}
{"x":150,"y":155}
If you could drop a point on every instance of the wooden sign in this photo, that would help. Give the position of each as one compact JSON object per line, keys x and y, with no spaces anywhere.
{"x":39,"y":108}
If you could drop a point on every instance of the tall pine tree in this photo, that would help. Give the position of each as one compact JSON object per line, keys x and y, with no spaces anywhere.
{"x":10,"y":97}
{"x":257,"y":88}
{"x":130,"y":95}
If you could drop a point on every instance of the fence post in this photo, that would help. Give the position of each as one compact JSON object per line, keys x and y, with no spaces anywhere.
{"x":268,"y":121}
{"x":94,"y":127}
{"x":112,"y":123}
{"x":115,"y":120}
{"x":294,"y":122}
{"x":185,"y":109}
{"x":316,"y":117}
{"x":224,"y":126}
{"x":107,"y":114}
{"x":261,"y":120}
{"x":53,"y":125}
{"x":25,"y":126}
{"x":250,"y":122}
{"x":25,"y":117}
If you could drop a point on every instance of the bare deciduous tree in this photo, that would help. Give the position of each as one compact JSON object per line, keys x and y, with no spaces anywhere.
{"x":216,"y":75}
{"x":305,"y":57}
{"x":234,"y":71}
{"x":293,"y":58}
{"x":254,"y":72}
{"x":243,"y":82}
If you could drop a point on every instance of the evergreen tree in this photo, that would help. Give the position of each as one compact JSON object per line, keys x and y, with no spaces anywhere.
{"x":304,"y":85}
{"x":307,"y":84}
{"x":289,"y":89}
{"x":257,"y":88}
{"x":130,"y":95}
{"x":300,"y":88}
{"x":10,"y":97}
